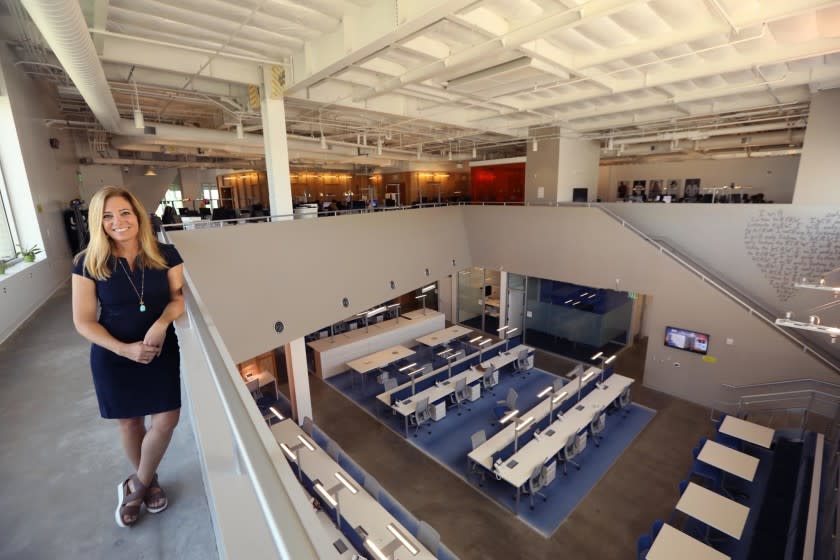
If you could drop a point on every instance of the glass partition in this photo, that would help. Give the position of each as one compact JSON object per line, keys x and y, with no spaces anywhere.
{"x":479,"y":298}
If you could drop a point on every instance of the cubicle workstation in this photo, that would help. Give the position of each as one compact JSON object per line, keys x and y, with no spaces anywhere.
{"x":361,"y":517}
{"x":444,"y":336}
{"x":331,"y":353}
{"x":442,"y":389}
{"x":372,"y":362}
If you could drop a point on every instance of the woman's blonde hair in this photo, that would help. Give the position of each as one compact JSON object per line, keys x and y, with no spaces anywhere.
{"x":99,"y":255}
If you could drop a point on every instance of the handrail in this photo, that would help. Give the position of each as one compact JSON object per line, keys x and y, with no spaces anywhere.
{"x":282,"y":518}
{"x":784,"y":382}
{"x":719,"y":286}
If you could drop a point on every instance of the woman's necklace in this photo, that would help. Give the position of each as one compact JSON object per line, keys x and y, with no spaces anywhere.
{"x":142,"y":284}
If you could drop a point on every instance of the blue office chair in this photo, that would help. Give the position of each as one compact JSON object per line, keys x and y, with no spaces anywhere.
{"x":642,"y":546}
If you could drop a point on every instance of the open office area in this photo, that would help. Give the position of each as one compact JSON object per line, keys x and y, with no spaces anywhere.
{"x":467,"y":279}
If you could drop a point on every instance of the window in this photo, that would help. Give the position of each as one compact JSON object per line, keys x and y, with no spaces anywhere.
{"x":174,"y":197}
{"x":211,"y":193}
{"x":8,"y":234}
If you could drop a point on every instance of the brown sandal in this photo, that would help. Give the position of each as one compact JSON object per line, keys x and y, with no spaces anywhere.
{"x":154,"y":493}
{"x":124,"y":508}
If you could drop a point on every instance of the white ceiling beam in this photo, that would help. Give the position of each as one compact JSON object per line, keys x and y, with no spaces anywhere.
{"x":364,"y":31}
{"x":116,"y":72}
{"x":553,"y":22}
{"x":100,"y":20}
{"x":124,"y":50}
{"x":549,"y":53}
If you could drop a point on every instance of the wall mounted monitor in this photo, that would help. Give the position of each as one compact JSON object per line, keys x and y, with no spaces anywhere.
{"x":687,"y":340}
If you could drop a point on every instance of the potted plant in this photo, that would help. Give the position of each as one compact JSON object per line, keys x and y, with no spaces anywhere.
{"x":3,"y":261}
{"x":29,"y":254}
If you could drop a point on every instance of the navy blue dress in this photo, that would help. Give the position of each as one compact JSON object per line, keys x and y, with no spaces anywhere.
{"x":125,"y":388}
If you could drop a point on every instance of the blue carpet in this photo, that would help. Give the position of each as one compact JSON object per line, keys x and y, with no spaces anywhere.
{"x":448,"y":442}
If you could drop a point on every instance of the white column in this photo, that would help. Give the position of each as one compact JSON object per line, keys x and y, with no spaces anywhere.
{"x":503,"y":297}
{"x":560,"y":165}
{"x":819,"y":165}
{"x":298,"y":379}
{"x":273,"y":110}
{"x":453,"y":309}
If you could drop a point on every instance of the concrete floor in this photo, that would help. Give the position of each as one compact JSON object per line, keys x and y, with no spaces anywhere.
{"x":641,"y":486}
{"x":61,"y":462}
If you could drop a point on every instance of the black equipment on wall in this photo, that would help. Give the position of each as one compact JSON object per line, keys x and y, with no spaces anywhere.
{"x":74,"y":217}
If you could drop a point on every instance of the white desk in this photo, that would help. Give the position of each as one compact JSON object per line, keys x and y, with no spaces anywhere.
{"x":256,"y":381}
{"x":483,"y":454}
{"x":357,"y":509}
{"x":443,"y":389}
{"x":747,"y":431}
{"x":419,"y":314}
{"x":328,"y":525}
{"x":332,"y":353}
{"x":380,"y":359}
{"x":518,"y":468}
{"x":444,"y":336}
{"x":671,"y":544}
{"x":729,"y":460}
{"x":714,"y":510}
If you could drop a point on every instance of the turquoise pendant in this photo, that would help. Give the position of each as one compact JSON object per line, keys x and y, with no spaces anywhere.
{"x":142,"y":308}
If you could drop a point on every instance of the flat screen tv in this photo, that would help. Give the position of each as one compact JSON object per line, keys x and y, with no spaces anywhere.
{"x":687,"y":340}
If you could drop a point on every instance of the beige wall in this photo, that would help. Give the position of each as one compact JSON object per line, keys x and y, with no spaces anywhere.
{"x":773,"y":176}
{"x":291,"y":271}
{"x":816,"y":182}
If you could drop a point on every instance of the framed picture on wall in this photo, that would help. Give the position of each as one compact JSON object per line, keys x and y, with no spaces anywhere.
{"x":692,"y":188}
{"x":673,"y":187}
{"x":623,"y":190}
{"x":655,"y":188}
{"x":639,"y":189}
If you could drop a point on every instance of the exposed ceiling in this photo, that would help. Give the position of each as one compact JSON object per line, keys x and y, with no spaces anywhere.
{"x":648,"y":78}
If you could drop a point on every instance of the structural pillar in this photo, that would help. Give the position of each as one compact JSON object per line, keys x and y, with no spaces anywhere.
{"x":819,"y":166}
{"x":298,"y":379}
{"x":503,"y":296}
{"x":273,"y":111}
{"x":559,"y":164}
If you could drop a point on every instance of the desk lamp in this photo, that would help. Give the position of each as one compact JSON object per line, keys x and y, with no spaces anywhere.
{"x":423,"y":297}
{"x":519,"y":427}
{"x":583,"y":379}
{"x":507,"y":337}
{"x":393,"y":305}
{"x":413,"y":375}
{"x":402,"y":539}
{"x":604,"y":365}
{"x":329,"y":498}
{"x":276,"y":413}
{"x":373,"y":313}
{"x":448,"y":359}
{"x":512,"y":415}
{"x":291,"y":453}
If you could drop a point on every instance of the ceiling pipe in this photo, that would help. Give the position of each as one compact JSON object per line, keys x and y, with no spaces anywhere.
{"x":702,"y":134}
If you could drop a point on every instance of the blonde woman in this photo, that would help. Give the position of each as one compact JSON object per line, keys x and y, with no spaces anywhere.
{"x":135,"y":282}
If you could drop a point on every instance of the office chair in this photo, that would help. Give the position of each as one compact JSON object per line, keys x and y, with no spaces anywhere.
{"x":307,"y":425}
{"x":333,"y":450}
{"x":373,"y":487}
{"x":507,"y":405}
{"x":490,"y":379}
{"x":597,"y":425}
{"x":383,"y":376}
{"x":422,"y":414}
{"x":569,"y":450}
{"x":643,"y":546}
{"x":523,"y":364}
{"x":477,"y":440}
{"x":390,"y":384}
{"x":461,"y":393}
{"x":427,"y":536}
{"x":536,"y":482}
{"x":623,"y":402}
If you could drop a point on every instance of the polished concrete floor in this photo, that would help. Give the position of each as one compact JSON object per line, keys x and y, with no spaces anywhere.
{"x":641,"y":486}
{"x":60,"y":462}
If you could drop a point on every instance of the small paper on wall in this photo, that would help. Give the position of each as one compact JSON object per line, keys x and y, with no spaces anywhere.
{"x":540,"y":192}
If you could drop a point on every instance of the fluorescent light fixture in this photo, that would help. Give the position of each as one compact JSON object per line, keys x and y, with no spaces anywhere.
{"x":560,"y":397}
{"x":409,"y":366}
{"x":474,"y":339}
{"x":323,"y":142}
{"x":419,"y":150}
{"x":376,"y":311}
{"x":306,"y":443}
{"x":400,"y":537}
{"x":483,"y":342}
{"x":277,"y":414}
{"x":240,"y":132}
{"x":524,"y":423}
{"x":428,"y":288}
{"x":544,"y":392}
{"x":323,"y":491}
{"x":288,"y":452}
{"x":500,"y":329}
{"x":474,"y":152}
{"x":393,"y":305}
{"x":138,"y":119}
{"x":535,"y":146}
{"x":346,"y":483}
{"x":588,"y":375}
{"x":375,"y":550}
{"x":420,"y":296}
{"x":596,"y":356}
{"x":610,"y":359}
{"x":508,"y":416}
{"x":379,"y":147}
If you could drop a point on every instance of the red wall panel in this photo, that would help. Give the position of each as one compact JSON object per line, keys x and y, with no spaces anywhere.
{"x":498,"y":183}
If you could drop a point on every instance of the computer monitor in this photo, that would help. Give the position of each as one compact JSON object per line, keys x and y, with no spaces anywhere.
{"x":326,"y":205}
{"x":488,"y":290}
